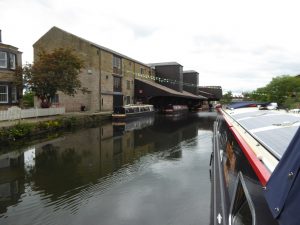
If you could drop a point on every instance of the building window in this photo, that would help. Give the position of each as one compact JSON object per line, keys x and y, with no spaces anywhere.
{"x":3,"y":94}
{"x":142,"y":70}
{"x":13,"y":94}
{"x":128,"y":100}
{"x":55,"y":99}
{"x":3,"y":60}
{"x":117,"y":84}
{"x":12,"y":61}
{"x":117,"y":69}
{"x":128,"y":85}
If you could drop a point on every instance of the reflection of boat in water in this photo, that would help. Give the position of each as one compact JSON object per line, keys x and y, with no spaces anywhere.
{"x":174,"y":109}
{"x":137,"y":124}
{"x":255,"y":168}
{"x":131,"y":111}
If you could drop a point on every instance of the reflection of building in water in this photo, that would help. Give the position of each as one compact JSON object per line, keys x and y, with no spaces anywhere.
{"x":11,"y":179}
{"x":82,"y":157}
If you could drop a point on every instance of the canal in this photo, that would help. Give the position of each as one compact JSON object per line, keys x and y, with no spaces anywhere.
{"x":150,"y":171}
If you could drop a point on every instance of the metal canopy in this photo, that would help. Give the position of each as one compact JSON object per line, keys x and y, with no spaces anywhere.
{"x":152,"y":89}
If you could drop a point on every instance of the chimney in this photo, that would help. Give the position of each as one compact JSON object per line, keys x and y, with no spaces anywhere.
{"x":0,"y":37}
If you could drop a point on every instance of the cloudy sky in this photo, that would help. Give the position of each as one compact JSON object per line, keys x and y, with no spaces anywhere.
{"x":238,"y":44}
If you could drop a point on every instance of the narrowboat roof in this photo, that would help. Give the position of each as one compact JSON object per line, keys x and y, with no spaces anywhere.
{"x":278,"y":132}
{"x":136,"y":106}
{"x":273,"y":129}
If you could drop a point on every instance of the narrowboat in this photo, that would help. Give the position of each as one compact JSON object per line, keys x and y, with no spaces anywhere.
{"x":131,"y":111}
{"x":255,"y":167}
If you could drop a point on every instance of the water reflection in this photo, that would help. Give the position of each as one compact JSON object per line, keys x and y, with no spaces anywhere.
{"x":63,"y":174}
{"x":12,"y":178}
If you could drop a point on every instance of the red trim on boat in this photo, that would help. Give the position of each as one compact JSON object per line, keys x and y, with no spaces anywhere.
{"x":225,"y":118}
{"x":261,"y":171}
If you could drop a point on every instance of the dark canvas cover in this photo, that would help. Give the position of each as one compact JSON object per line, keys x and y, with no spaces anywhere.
{"x":283,"y":188}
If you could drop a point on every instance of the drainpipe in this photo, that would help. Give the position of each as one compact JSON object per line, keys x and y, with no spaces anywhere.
{"x":134,"y":97}
{"x":99,"y":54}
{"x":0,"y":37}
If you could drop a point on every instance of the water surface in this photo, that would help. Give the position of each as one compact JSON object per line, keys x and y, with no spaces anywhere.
{"x":149,"y":171}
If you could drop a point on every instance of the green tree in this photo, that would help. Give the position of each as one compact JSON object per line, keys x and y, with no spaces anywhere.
{"x":226,"y":98}
{"x":283,"y":89}
{"x":28,"y":99}
{"x":52,"y":72}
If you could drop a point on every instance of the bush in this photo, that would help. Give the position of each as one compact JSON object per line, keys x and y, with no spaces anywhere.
{"x":19,"y":130}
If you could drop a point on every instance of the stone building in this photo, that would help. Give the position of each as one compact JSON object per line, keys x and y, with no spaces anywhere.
{"x":10,"y":59}
{"x":108,"y":75}
{"x":212,"y":93}
{"x":170,"y":73}
{"x":190,"y":81}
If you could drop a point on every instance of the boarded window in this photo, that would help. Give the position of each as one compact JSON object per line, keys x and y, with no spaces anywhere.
{"x":117,"y":68}
{"x":117,"y":84}
{"x":128,"y":85}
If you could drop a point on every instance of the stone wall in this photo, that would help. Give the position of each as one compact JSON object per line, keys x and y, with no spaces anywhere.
{"x":89,"y":75}
{"x":98,"y":63}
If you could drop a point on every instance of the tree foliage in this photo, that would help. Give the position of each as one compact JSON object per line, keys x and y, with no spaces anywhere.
{"x":52,"y":72}
{"x":282,"y":89}
{"x":28,"y":99}
{"x":226,"y":98}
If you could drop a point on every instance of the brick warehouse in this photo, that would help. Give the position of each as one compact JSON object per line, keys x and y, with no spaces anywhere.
{"x":117,"y":72}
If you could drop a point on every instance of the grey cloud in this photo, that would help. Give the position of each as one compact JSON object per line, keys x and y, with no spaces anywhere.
{"x":140,"y":30}
{"x":205,"y":43}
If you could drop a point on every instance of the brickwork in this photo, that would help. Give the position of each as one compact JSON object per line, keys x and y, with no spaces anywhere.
{"x":7,"y":76}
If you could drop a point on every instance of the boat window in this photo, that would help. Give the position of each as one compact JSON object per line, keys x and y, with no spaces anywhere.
{"x":242,"y":210}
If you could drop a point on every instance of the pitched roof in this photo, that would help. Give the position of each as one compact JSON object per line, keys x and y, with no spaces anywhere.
{"x":164,"y":64}
{"x":190,"y":71}
{"x":93,"y":44}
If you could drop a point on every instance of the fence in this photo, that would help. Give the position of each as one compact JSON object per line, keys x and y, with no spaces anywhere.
{"x":14,"y":113}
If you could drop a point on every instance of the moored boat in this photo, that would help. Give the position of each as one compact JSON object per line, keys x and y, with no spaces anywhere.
{"x":131,"y":111}
{"x":255,"y":167}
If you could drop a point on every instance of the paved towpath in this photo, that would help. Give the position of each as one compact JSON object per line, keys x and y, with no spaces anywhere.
{"x":47,"y":118}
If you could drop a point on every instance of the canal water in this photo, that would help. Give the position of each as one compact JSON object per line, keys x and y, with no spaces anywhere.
{"x":154,"y":170}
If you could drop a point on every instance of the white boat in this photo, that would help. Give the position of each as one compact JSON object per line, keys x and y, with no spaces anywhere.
{"x":131,"y":111}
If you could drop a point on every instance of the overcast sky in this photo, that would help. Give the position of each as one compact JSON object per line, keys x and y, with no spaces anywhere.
{"x":237,"y":44}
